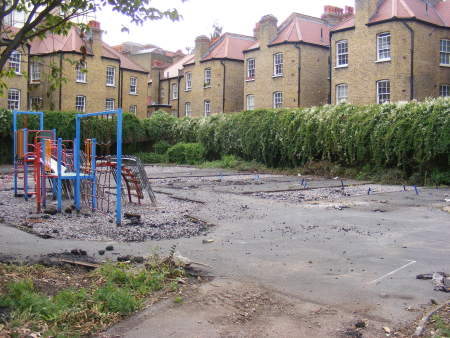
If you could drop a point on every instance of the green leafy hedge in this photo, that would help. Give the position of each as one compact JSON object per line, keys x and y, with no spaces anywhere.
{"x":411,"y":137}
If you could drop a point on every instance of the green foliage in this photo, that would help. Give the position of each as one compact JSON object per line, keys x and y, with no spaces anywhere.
{"x":149,"y":158}
{"x":412,"y":140}
{"x":161,"y":147}
{"x":186,"y":153}
{"x":116,"y":299}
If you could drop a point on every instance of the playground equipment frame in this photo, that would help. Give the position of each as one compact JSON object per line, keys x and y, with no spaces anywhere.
{"x":118,"y":113}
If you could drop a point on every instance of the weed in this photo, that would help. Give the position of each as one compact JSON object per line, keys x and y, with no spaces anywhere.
{"x":178,"y":300}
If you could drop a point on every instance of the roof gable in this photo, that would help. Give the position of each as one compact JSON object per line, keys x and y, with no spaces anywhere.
{"x":229,"y":46}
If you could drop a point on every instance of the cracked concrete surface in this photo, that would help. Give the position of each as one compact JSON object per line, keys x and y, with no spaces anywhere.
{"x":356,"y":256}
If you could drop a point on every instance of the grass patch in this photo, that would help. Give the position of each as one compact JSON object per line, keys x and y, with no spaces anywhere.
{"x":83,"y":303}
{"x":442,"y":325}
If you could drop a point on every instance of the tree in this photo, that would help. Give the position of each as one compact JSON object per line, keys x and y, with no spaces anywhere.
{"x":217,"y":31}
{"x":56,"y":16}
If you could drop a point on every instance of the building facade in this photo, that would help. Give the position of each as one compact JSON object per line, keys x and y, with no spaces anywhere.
{"x":210,"y":81}
{"x":14,"y":86}
{"x":288,"y":65}
{"x":392,"y":50}
{"x":71,"y":73}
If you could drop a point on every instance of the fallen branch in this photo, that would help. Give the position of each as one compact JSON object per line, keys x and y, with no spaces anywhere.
{"x":424,"y":320}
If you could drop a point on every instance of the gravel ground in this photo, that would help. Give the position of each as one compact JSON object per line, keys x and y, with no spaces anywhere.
{"x":328,"y":194}
{"x":169,"y":220}
{"x":155,"y":170}
{"x":217,"y":180}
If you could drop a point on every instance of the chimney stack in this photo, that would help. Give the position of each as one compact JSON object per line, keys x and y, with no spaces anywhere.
{"x":334,"y":15}
{"x":266,"y":29}
{"x":95,"y":37}
{"x":365,"y":10}
{"x":201,"y":46}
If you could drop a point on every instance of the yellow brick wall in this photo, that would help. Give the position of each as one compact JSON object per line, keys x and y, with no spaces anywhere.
{"x":17,"y":82}
{"x":363,"y":71}
{"x":313,"y":76}
{"x":139,"y":99}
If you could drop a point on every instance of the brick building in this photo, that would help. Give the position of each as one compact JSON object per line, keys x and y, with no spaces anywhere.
{"x":288,"y":64}
{"x":15,"y":93}
{"x":75,"y":73}
{"x":392,"y":50}
{"x":210,"y":81}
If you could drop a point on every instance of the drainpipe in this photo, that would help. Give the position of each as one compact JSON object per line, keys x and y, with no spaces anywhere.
{"x":411,"y":79}
{"x":223,"y":86}
{"x":168,"y":92}
{"x":330,"y":71}
{"x":179,"y":93}
{"x":60,"y":79}
{"x":159,"y":87}
{"x":299,"y":77}
{"x":29,"y":78}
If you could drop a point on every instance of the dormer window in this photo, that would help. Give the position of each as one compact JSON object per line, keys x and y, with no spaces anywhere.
{"x":342,"y":53}
{"x":251,"y":69}
{"x":445,"y":52}
{"x":207,"y":78}
{"x":278,"y":64}
{"x":384,"y":47}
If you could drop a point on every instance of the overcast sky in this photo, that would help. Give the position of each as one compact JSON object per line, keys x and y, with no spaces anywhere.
{"x":235,"y":16}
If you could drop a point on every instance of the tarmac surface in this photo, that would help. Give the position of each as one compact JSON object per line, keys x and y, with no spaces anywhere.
{"x":357,"y":255}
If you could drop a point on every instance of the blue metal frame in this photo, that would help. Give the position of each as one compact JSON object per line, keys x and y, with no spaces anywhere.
{"x":118,"y":113}
{"x":41,"y":127}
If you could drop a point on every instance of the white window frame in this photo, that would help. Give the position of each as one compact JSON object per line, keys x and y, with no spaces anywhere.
{"x":110,"y":76}
{"x":444,"y":90}
{"x":444,"y":52}
{"x":341,"y":93}
{"x":207,"y":108}
{"x":251,"y":69}
{"x":207,"y":78}
{"x":34,"y":104}
{"x":383,"y":91}
{"x":14,"y":61}
{"x":174,"y":90}
{"x":133,"y":109}
{"x":109,"y":104}
{"x":35,"y":71}
{"x":80,"y":75}
{"x":14,"y":98}
{"x":133,"y":85}
{"x":188,"y":81}
{"x":342,"y":53}
{"x":277,"y":100}
{"x":278,"y":64}
{"x":80,"y":103}
{"x":187,"y":109}
{"x":384,"y":46}
{"x":250,"y":102}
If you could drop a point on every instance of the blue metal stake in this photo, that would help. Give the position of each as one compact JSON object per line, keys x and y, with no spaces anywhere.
{"x":416,"y":190}
{"x":119,"y":168}
{"x":25,"y":165}
{"x":77,"y":164}
{"x":94,"y":181}
{"x":59,"y":190}
{"x":15,"y":150}
{"x":369,"y":191}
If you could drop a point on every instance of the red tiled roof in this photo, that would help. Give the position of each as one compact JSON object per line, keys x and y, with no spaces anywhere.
{"x":348,"y":23}
{"x":418,"y":9}
{"x":229,"y":46}
{"x":407,"y":9}
{"x":73,"y":42}
{"x":125,"y":62}
{"x":172,"y":70}
{"x":302,"y":28}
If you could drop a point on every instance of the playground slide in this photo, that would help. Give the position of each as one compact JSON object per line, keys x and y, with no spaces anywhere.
{"x":54,"y":167}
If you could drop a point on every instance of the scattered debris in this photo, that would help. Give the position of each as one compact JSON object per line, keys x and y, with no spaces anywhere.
{"x":207,"y":241}
{"x":360,"y":324}
{"x":387,"y":330}
{"x":51,"y":210}
{"x":101,"y":252}
{"x":441,"y":280}
{"x":109,"y":248}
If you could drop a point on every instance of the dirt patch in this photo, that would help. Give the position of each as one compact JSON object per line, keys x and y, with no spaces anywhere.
{"x":438,"y":325}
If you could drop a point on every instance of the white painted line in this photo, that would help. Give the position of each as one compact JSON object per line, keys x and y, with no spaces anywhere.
{"x":391,"y":273}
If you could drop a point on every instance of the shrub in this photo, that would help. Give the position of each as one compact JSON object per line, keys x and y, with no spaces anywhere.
{"x":186,"y":153}
{"x":152,"y":157}
{"x":161,"y":147}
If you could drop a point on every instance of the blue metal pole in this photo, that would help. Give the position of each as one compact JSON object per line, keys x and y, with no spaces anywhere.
{"x":94,"y":180}
{"x":43,"y":187}
{"x":41,"y":120}
{"x":25,"y":165}
{"x":15,"y":150}
{"x":119,"y":167}
{"x":77,"y":164}
{"x":59,"y":190}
